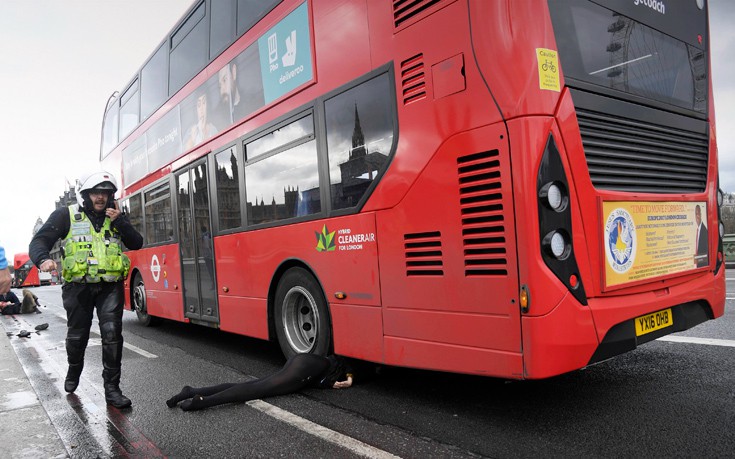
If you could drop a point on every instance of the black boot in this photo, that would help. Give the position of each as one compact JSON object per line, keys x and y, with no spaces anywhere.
{"x":76,"y":343}
{"x":72,"y":377}
{"x":115,"y":397}
{"x":111,"y":360}
{"x":113,"y":394}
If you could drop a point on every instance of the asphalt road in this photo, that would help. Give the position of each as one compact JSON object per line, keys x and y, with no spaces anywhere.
{"x":665,"y":399}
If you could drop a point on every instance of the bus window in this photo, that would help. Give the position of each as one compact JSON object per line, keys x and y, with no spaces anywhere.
{"x":189,"y":50}
{"x":283,"y":183}
{"x":249,"y":12}
{"x":135,"y":213}
{"x":153,"y":83}
{"x":222,"y":26}
{"x":359,"y":139}
{"x":228,"y":189}
{"x":158,"y":217}
{"x":290,"y":133}
{"x":109,"y":130}
{"x":129,"y":110}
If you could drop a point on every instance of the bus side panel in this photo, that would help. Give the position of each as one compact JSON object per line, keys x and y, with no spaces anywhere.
{"x":346,"y":261}
{"x":458,"y":359}
{"x":349,"y":265}
{"x":560,"y":341}
{"x":355,"y":331}
{"x":432,"y":113}
{"x":448,"y":259}
{"x":244,"y":316}
{"x":508,"y":49}
{"x":160,"y":269}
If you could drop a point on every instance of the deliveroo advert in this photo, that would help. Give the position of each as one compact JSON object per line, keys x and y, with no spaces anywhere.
{"x":285,"y":55}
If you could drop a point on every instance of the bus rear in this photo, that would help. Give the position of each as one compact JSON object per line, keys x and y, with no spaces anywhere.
{"x":26,"y":273}
{"x":572,"y":211}
{"x":627,"y":236}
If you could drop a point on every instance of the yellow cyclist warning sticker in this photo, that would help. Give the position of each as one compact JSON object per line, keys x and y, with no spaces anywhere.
{"x":548,"y":69}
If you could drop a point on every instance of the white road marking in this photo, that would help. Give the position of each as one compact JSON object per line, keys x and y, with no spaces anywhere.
{"x":128,"y":346}
{"x":708,"y":341}
{"x":349,"y":443}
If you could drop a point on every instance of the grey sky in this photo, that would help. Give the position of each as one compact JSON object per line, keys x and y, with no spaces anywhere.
{"x":61,"y":60}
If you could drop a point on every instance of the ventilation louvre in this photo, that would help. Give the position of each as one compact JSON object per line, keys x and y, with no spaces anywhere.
{"x":423,"y":252}
{"x":405,"y":10}
{"x":413,"y":79}
{"x":635,"y":156}
{"x":483,"y":221}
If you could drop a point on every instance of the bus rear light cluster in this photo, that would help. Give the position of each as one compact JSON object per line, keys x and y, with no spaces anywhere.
{"x":555,"y":221}
{"x":557,"y":244}
{"x":555,"y":196}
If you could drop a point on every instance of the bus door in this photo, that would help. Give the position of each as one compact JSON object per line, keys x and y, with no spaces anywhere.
{"x":195,"y":244}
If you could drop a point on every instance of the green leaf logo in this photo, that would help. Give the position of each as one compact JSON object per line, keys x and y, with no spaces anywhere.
{"x":325,"y":240}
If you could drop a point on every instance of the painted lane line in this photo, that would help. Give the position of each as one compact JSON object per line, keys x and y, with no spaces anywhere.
{"x":708,"y":341}
{"x":349,"y":443}
{"x":86,"y":425}
{"x":128,"y":346}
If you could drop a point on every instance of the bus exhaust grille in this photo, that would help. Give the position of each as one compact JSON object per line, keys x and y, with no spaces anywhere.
{"x":405,"y":10}
{"x":413,"y":79}
{"x":423,"y":254}
{"x":631,"y":155}
{"x":483,"y":221}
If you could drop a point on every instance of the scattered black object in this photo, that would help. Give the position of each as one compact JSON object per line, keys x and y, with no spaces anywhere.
{"x":41,"y":327}
{"x":24,"y":334}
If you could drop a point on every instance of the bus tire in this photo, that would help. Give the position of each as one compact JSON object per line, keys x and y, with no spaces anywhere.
{"x":140,"y":303}
{"x":301,"y":316}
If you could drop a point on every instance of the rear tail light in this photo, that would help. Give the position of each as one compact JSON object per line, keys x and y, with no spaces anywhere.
{"x":555,"y":221}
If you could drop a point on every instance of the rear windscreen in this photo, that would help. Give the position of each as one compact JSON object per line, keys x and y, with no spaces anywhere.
{"x":606,"y":48}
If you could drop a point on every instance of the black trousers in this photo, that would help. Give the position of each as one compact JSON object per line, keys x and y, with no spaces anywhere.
{"x":80,"y":301}
{"x":299,"y":371}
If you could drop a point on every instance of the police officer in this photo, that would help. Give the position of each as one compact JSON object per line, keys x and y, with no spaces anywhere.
{"x":93,"y":268}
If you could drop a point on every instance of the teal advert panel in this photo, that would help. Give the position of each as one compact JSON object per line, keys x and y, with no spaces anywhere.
{"x":285,"y":54}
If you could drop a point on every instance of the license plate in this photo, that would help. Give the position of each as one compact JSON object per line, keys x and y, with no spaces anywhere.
{"x":652,"y":322}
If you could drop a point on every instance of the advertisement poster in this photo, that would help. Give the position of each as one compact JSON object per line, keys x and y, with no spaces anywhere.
{"x":644,"y":240}
{"x":285,"y":55}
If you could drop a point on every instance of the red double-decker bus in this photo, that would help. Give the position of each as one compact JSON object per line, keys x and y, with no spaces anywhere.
{"x":515,"y":189}
{"x":25,"y":273}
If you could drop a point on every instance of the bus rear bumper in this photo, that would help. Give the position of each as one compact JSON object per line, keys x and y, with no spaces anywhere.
{"x":572,"y":336}
{"x":623,"y":338}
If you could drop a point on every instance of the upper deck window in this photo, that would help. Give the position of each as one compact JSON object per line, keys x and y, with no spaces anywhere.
{"x":249,"y":12}
{"x":189,"y":49}
{"x":109,"y":130}
{"x":606,"y":48}
{"x":129,"y":110}
{"x":222,"y":26}
{"x":154,"y":83}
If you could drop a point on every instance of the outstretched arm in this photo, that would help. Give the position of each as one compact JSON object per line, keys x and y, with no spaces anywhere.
{"x":344,"y":384}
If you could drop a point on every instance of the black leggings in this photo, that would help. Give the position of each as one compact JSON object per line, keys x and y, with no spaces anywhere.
{"x":298,"y":372}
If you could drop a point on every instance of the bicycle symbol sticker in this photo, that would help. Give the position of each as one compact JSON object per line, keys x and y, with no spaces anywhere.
{"x":548,"y":69}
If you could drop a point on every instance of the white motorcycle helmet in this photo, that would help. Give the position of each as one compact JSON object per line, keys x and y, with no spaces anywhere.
{"x":95,"y":181}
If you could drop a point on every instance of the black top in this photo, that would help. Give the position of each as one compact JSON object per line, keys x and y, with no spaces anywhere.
{"x":10,"y":296}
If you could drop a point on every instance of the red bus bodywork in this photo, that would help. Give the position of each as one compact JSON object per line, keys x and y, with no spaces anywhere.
{"x":26,"y":273}
{"x":477,"y":106}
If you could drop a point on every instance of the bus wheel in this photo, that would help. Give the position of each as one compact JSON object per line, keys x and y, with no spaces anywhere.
{"x":301,"y":316}
{"x":141,"y":305}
